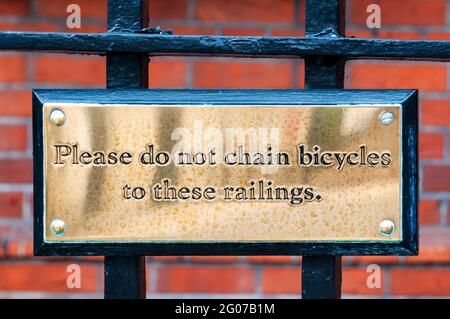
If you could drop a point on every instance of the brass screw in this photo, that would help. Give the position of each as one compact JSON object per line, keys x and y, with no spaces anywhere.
{"x":57,"y":117}
{"x":58,"y":227}
{"x":387,"y":228}
{"x":387,"y":118}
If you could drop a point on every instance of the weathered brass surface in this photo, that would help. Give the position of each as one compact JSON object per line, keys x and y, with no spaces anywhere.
{"x":89,"y":198}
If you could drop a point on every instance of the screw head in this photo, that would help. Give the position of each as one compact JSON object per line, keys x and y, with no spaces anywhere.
{"x":387,"y":118}
{"x":387,"y":227}
{"x":57,"y":117}
{"x":58,"y":227}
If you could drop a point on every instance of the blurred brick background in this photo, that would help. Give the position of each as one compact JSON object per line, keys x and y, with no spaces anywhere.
{"x":22,"y":275}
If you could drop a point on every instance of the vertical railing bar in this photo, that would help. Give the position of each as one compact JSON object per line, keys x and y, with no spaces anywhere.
{"x":322,"y":275}
{"x":125,"y":276}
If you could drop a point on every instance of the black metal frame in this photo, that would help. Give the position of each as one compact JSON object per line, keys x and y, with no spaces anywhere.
{"x":127,"y":45}
{"x":406,"y":98}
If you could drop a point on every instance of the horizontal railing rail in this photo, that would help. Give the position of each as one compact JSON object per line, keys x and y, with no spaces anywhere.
{"x":233,"y":46}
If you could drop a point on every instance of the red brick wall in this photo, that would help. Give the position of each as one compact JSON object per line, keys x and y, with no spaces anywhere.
{"x":22,"y":275}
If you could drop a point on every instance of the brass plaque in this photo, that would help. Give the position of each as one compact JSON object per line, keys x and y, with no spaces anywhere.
{"x":191,"y":173}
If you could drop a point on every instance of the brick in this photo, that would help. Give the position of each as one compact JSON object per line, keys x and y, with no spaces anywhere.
{"x":438,"y":36}
{"x":379,"y":260}
{"x":435,"y":112}
{"x":167,"y":73}
{"x":214,"y":259}
{"x":402,"y":35}
{"x":271,"y":259}
{"x":420,"y":281}
{"x":29,"y":26}
{"x":429,"y":212}
{"x":301,"y":75}
{"x":354,"y":281}
{"x":431,"y":255}
{"x":344,"y":259}
{"x":29,"y":248}
{"x":281,"y":280}
{"x":15,"y":103}
{"x":9,"y":243}
{"x":434,"y":247}
{"x":425,"y":77}
{"x":30,"y":202}
{"x":239,"y":74}
{"x":302,"y":14}
{"x":49,"y":277}
{"x":436,"y":178}
{"x":89,"y":8}
{"x":192,"y":279}
{"x":148,"y":286}
{"x":5,"y":230}
{"x":92,"y":259}
{"x":88,"y":28}
{"x":17,"y":247}
{"x":167,"y":10}
{"x":265,"y":11}
{"x":165,"y":258}
{"x":191,"y":30}
{"x":15,"y":8}
{"x":8,"y":248}
{"x":14,"y":234}
{"x":243,"y":31}
{"x":16,"y":170}
{"x":287,"y":32}
{"x":431,"y":145}
{"x":11,"y":205}
{"x":86,"y":71}
{"x":411,"y":12}
{"x":448,"y":212}
{"x":355,"y":33}
{"x":13,"y":68}
{"x":13,"y":137}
